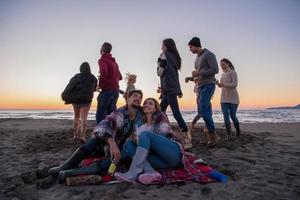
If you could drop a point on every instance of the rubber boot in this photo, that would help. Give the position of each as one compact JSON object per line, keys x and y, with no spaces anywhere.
{"x":88,"y":170}
{"x":136,"y":167}
{"x":150,"y":175}
{"x":71,"y":163}
{"x":228,"y":129}
{"x":237,"y":128}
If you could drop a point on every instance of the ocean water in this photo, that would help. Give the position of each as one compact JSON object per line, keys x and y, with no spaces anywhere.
{"x":245,"y":116}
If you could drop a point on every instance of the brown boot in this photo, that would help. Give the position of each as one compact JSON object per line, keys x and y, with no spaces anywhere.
{"x":215,"y":138}
{"x":187,"y":139}
{"x":207,"y":139}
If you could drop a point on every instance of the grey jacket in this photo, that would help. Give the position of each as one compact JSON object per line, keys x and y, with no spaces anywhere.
{"x":206,"y":63}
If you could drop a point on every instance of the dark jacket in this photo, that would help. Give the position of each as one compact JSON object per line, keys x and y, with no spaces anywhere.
{"x":80,"y":89}
{"x":170,"y":78}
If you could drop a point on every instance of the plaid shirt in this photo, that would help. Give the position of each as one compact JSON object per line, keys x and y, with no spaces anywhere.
{"x":118,"y":125}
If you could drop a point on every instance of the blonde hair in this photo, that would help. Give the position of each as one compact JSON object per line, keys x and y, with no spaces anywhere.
{"x":130,"y":78}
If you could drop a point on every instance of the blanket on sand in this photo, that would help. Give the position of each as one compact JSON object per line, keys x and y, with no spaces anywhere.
{"x":192,"y":171}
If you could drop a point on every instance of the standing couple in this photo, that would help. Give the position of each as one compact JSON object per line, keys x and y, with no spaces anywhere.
{"x":206,"y":67}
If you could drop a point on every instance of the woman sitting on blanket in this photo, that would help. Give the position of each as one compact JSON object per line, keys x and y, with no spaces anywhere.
{"x":153,"y":147}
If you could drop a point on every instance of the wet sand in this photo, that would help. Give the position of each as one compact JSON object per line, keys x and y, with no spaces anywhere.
{"x":262,"y":164}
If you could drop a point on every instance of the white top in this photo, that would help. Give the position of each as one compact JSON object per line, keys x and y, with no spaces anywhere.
{"x":229,"y":92}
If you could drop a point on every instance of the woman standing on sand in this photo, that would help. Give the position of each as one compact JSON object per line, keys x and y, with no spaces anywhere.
{"x":79,"y":92}
{"x":169,"y":63}
{"x":154,"y":142}
{"x":229,"y":96}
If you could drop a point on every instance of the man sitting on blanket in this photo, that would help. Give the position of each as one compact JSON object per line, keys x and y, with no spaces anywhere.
{"x":112,"y":131}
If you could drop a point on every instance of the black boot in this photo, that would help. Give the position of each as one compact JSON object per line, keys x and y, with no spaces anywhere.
{"x":71,"y":163}
{"x":237,"y":127}
{"x":88,"y":170}
{"x":228,"y":129}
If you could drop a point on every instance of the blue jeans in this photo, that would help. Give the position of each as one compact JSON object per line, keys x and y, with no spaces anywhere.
{"x":204,"y":106}
{"x":163,"y":153}
{"x":229,"y":109}
{"x":107,"y":101}
{"x":171,"y":99}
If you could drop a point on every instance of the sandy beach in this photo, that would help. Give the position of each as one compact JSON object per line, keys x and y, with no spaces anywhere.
{"x":262,"y":164}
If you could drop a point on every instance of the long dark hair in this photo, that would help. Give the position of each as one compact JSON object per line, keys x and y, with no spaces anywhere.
{"x":85,"y":68}
{"x":228,"y":62}
{"x":157,"y":107}
{"x":171,"y":47}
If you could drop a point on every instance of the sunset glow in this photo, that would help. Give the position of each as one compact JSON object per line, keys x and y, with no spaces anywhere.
{"x":43,"y":44}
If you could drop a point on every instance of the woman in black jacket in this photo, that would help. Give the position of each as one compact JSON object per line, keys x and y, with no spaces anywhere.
{"x":169,"y":63}
{"x":79,"y":92}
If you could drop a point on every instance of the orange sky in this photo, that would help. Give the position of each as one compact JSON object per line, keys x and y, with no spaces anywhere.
{"x":31,"y":102}
{"x":43,"y":44}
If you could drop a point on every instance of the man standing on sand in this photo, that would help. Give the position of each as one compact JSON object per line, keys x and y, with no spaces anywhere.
{"x":108,"y":83}
{"x":112,"y":131}
{"x":206,"y":66}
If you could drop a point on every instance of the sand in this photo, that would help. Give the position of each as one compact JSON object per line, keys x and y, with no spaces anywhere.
{"x":264,"y":163}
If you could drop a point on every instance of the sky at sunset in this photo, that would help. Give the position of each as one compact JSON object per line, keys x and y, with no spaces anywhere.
{"x":43,"y":43}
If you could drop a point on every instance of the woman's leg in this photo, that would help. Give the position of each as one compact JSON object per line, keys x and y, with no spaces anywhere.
{"x":83,"y":118}
{"x":226,"y":110}
{"x":164,"y":103}
{"x":76,"y":122}
{"x":163,"y":150}
{"x":162,"y":147}
{"x":233,"y":109}
{"x":129,"y":150}
{"x":172,"y":99}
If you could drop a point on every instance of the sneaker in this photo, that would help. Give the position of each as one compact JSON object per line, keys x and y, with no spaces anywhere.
{"x":149,"y":178}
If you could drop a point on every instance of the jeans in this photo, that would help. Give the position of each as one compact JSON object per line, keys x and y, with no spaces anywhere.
{"x":204,"y":106}
{"x":107,"y":100}
{"x":163,"y":153}
{"x":229,"y":109}
{"x":171,"y":99}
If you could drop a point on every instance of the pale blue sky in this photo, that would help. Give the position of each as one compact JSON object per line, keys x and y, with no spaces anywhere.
{"x":43,"y":44}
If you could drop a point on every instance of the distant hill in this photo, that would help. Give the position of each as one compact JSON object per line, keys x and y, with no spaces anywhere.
{"x":286,"y":107}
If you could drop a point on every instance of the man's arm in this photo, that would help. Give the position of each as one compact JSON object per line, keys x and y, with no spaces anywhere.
{"x":108,"y":127}
{"x":106,"y":130}
{"x":213,"y":66}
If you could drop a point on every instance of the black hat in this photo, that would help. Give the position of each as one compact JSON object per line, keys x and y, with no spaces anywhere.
{"x":195,"y":41}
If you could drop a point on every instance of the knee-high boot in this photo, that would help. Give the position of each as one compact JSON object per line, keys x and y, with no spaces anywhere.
{"x":71,"y":163}
{"x":237,"y":128}
{"x":92,"y":169}
{"x":136,"y":167}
